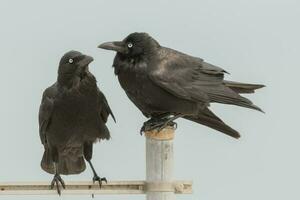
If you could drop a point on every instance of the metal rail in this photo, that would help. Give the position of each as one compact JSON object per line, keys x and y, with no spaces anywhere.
{"x":88,"y":188}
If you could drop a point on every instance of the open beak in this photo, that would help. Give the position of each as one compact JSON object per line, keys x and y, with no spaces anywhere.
{"x":85,"y":61}
{"x":114,"y":46}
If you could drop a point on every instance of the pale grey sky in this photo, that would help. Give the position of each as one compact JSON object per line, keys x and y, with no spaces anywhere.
{"x":257,"y":41}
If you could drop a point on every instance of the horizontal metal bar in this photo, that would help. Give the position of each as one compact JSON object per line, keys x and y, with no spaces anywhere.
{"x":87,"y":187}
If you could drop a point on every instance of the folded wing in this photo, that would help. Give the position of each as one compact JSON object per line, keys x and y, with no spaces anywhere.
{"x":193,"y":79}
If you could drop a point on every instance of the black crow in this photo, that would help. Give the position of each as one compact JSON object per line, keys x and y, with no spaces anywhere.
{"x":72,"y":117}
{"x":166,"y":84}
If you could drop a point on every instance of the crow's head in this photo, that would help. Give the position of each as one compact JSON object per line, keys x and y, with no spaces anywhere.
{"x":73,"y":66}
{"x":134,"y":45}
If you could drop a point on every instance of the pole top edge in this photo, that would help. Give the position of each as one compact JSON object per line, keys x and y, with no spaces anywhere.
{"x":165,"y":134}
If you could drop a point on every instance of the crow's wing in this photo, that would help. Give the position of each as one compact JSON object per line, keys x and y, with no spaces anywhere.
{"x":105,"y":109}
{"x":186,"y":76}
{"x":193,"y":79}
{"x":45,"y":111}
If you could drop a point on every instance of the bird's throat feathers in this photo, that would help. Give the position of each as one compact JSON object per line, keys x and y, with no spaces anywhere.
{"x":134,"y":64}
{"x":76,"y":81}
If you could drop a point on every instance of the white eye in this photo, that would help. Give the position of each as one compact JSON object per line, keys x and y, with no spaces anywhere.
{"x":130,"y":45}
{"x":71,"y":60}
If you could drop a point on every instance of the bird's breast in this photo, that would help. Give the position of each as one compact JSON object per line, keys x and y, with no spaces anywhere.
{"x":133,"y":77}
{"x":140,"y":89}
{"x":75,"y":115}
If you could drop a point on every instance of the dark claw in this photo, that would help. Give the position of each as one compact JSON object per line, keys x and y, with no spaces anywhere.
{"x":147,"y":126}
{"x":56,"y":180}
{"x":142,"y":129}
{"x":99,"y":180}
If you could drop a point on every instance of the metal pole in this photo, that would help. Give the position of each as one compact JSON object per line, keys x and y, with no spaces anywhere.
{"x":159,"y":165}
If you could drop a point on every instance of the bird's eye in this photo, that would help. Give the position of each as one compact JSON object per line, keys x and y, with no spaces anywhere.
{"x":130,"y":45}
{"x":71,"y":60}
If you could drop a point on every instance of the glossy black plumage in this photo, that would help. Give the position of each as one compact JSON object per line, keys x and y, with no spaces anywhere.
{"x":72,"y":117}
{"x":163,"y":82}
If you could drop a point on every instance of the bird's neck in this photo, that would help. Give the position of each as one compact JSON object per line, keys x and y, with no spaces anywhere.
{"x":76,"y":82}
{"x":66,"y":80}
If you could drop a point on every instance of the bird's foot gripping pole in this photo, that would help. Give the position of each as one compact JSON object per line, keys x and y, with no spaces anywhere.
{"x":159,"y":165}
{"x":96,"y":178}
{"x":158,"y":124}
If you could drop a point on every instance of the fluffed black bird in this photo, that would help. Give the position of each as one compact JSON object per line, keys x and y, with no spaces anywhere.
{"x":166,"y":84}
{"x":72,"y":117}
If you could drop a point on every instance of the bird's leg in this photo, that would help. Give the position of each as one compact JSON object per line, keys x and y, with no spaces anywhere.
{"x":96,"y":177}
{"x":56,"y":180}
{"x":168,"y":122}
{"x":88,"y":152}
{"x":160,"y":123}
{"x":149,"y":123}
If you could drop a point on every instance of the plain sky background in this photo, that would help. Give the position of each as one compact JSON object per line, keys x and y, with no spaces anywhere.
{"x":256,"y":41}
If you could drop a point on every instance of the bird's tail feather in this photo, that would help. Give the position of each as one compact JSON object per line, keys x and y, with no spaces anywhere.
{"x":242,"y":87}
{"x":208,"y":118}
{"x":238,"y":100}
{"x":71,"y":165}
{"x":228,"y":96}
{"x":67,"y":164}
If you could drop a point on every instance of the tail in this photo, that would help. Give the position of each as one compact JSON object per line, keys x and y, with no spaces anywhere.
{"x":242,"y":87}
{"x":208,"y":118}
{"x":67,"y":164}
{"x":71,"y":165}
{"x":228,"y":93}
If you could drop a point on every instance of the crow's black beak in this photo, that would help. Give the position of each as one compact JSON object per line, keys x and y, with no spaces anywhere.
{"x":86,"y":60}
{"x":114,"y":46}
